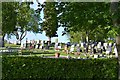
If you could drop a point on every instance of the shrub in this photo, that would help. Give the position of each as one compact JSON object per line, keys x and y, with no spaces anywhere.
{"x":49,"y":68}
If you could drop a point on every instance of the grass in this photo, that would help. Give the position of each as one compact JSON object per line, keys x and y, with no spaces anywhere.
{"x":46,"y":53}
{"x":11,"y":45}
{"x":39,"y":52}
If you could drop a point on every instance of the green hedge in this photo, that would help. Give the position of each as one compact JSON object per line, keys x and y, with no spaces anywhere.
{"x":46,"y":68}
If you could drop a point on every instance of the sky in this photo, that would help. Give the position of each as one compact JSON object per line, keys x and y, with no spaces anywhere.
{"x":38,"y":36}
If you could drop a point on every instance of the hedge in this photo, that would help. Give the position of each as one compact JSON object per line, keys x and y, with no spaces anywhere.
{"x":49,"y":68}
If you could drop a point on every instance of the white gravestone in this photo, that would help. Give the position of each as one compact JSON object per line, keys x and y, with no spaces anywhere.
{"x":82,"y":45}
{"x":110,"y":44}
{"x":99,"y":45}
{"x":105,"y":45}
{"x":78,"y":48}
{"x":72,"y":48}
{"x":42,"y":45}
{"x":22,"y":45}
{"x":109,"y":49}
{"x":56,"y":46}
{"x":115,"y":51}
{"x":59,"y":47}
{"x":95,"y":56}
{"x":28,"y":41}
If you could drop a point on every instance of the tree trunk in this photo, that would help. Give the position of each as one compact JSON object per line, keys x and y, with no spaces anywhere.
{"x":114,"y":12}
{"x":49,"y":42}
{"x":118,"y":50}
{"x":2,"y":41}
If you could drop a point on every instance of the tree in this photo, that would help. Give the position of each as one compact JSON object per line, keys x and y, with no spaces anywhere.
{"x":20,"y":19}
{"x":50,"y":23}
{"x":27,"y":20}
{"x":116,"y":18}
{"x":8,"y":18}
{"x":91,"y":18}
{"x":1,"y":24}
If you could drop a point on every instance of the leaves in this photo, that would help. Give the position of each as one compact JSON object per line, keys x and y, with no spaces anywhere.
{"x":8,"y":17}
{"x":19,"y":17}
{"x":36,"y":67}
{"x":87,"y":17}
{"x":50,"y":24}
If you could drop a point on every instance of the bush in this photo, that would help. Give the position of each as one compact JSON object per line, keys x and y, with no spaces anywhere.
{"x":49,"y":68}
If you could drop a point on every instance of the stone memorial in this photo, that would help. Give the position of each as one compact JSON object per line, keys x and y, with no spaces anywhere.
{"x":115,"y":51}
{"x":109,"y":50}
{"x":72,"y":48}
{"x":82,"y":44}
{"x":105,"y":45}
{"x":22,"y":45}
{"x":56,"y":46}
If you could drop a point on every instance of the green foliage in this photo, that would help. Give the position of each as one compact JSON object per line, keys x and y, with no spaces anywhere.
{"x":16,"y":15}
{"x":77,"y":36}
{"x":45,"y":68}
{"x":50,"y":24}
{"x":8,"y":17}
{"x":92,"y":18}
{"x":27,"y":18}
{"x":11,"y":45}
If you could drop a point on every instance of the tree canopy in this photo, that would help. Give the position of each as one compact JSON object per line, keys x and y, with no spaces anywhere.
{"x":20,"y":18}
{"x":50,"y":23}
{"x":92,"y":18}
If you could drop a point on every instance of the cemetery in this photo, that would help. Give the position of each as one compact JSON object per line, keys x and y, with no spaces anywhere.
{"x":60,"y":40}
{"x":76,"y":51}
{"x":58,"y":63}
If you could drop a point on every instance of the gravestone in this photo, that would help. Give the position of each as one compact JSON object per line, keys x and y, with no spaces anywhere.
{"x":82,"y":44}
{"x":42,"y":45}
{"x":78,"y":48}
{"x":86,"y":46}
{"x":99,"y":50}
{"x":56,"y":46}
{"x":60,"y":46}
{"x":28,"y":41}
{"x":99,"y":45}
{"x":22,"y":45}
{"x":110,"y":44}
{"x":105,"y":45}
{"x":66,"y":48}
{"x":37,"y":44}
{"x":72,"y":48}
{"x":92,"y":49}
{"x":48,"y":45}
{"x":116,"y":52}
{"x":109,"y":50}
{"x":95,"y":56}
